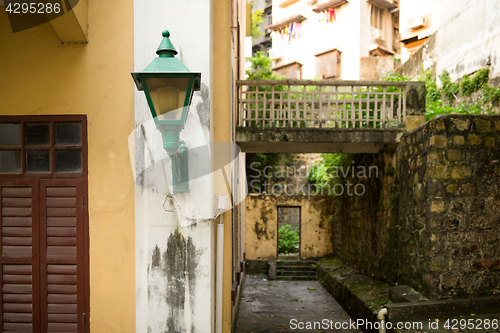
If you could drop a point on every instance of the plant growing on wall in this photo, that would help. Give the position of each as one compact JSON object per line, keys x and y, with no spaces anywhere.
{"x":288,"y":240}
{"x":256,"y":20}
{"x":260,"y":67}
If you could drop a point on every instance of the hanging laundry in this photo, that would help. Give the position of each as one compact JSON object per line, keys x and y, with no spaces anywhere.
{"x":331,"y":14}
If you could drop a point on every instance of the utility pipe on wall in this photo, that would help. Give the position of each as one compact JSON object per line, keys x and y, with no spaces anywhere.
{"x":381,"y":316}
{"x":220,"y":259}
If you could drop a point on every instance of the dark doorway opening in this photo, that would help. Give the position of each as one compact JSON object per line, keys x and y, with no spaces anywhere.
{"x":288,"y":232}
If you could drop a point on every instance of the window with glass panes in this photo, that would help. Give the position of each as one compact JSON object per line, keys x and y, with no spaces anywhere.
{"x":52,"y":146}
{"x":376,"y":16}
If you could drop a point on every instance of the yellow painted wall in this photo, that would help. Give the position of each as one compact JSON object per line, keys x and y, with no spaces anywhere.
{"x":41,"y":76}
{"x":221,"y":129}
{"x":261,"y":225}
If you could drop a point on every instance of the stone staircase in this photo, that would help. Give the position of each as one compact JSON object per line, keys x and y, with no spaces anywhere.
{"x":296,"y":269}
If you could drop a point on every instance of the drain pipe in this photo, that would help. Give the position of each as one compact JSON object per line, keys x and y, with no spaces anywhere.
{"x":221,"y":206}
{"x":220,"y":260}
{"x":381,"y":317}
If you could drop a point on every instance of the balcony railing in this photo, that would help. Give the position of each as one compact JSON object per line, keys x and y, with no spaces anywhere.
{"x":327,"y":103}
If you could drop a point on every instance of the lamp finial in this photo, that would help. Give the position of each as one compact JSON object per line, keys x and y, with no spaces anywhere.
{"x":166,"y":48}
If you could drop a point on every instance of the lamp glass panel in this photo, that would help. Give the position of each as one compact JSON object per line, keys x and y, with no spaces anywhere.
{"x":168,"y":95}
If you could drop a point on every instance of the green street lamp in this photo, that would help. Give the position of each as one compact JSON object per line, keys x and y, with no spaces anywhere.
{"x":169,"y":86}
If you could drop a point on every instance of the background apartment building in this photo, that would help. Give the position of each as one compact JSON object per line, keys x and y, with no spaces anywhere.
{"x":335,"y":39}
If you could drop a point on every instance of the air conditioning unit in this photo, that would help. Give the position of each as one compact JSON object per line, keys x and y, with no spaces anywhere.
{"x":378,"y":34}
{"x":416,"y":23}
{"x":274,"y":54}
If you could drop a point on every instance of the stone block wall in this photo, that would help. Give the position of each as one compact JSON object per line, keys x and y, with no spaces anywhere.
{"x":431,"y":219}
{"x":449,"y":202}
{"x":364,"y":225}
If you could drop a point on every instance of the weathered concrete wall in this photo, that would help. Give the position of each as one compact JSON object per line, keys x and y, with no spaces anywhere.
{"x":174,"y":232}
{"x":375,"y":68}
{"x":317,"y":140}
{"x":467,"y":39}
{"x":287,"y":175}
{"x":261,"y":225}
{"x":424,"y":58}
{"x":449,"y":171}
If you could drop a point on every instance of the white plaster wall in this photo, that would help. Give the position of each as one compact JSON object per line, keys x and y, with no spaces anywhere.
{"x":318,"y":36}
{"x":469,"y":37}
{"x":415,"y":9}
{"x":367,"y":32}
{"x":189,"y":24}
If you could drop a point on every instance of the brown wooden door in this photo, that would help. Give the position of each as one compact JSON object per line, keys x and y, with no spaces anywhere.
{"x":42,"y":255}
{"x":44,"y":224}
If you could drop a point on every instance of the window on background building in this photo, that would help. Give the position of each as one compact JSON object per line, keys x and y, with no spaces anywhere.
{"x":290,"y":71}
{"x":328,"y":64}
{"x":376,"y":15}
{"x":269,"y":20}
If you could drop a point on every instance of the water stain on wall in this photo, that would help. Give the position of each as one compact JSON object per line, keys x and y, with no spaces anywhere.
{"x":178,"y":264}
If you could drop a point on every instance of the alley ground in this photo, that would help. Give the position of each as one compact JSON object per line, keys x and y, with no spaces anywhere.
{"x":279,"y":306}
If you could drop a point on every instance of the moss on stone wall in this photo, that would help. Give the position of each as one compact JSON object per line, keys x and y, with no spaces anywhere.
{"x":432,"y":218}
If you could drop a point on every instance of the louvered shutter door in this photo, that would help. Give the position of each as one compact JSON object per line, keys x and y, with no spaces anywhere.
{"x":61,"y":255}
{"x":19,"y":256}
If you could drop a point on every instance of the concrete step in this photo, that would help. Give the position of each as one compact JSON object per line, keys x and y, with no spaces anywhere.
{"x":288,"y":257}
{"x":295,"y":273}
{"x":295,"y":262}
{"x":296,"y":268}
{"x":297,"y":277}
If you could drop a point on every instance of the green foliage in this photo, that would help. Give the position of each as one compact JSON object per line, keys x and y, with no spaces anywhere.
{"x":394,"y":76}
{"x":433,"y":109}
{"x":260,"y":68}
{"x":433,"y":93}
{"x":479,"y":81}
{"x":391,"y":171}
{"x":491,"y":94}
{"x":259,"y":162}
{"x":466,"y":86}
{"x":288,"y":240}
{"x":322,"y":173}
{"x":256,"y":19}
{"x":450,"y":89}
